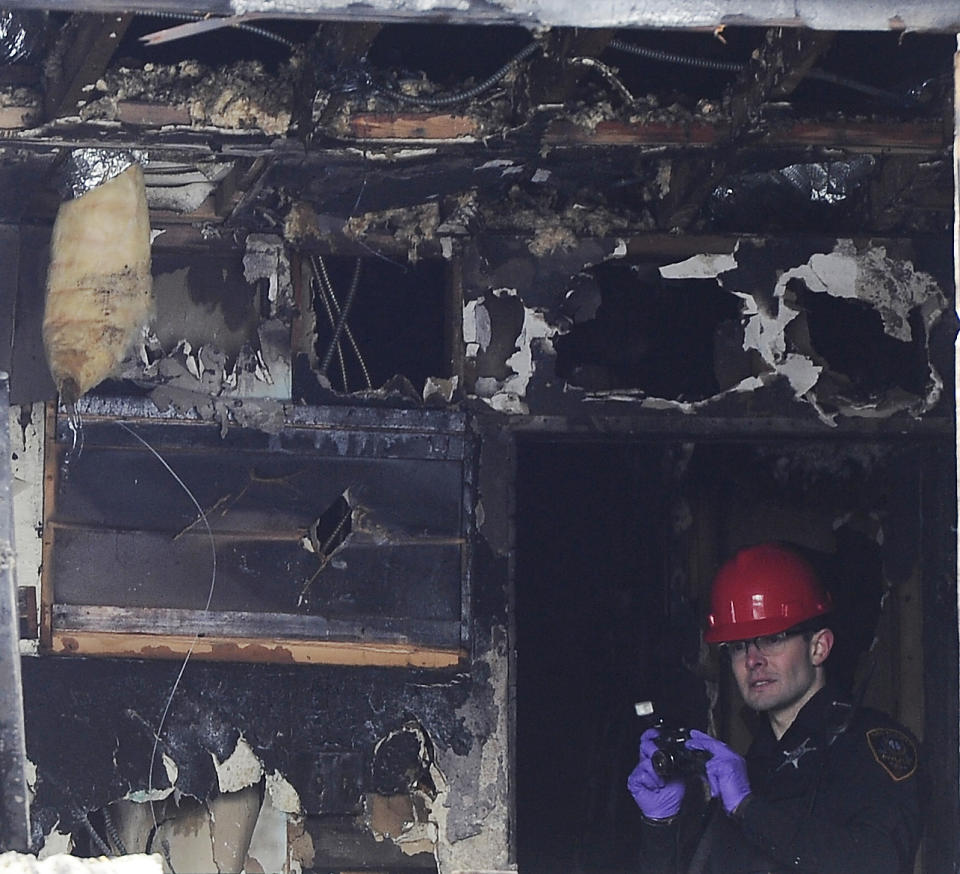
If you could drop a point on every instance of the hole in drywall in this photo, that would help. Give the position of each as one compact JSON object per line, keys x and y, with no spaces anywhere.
{"x":331,"y":528}
{"x":649,"y":333}
{"x":849,"y":336}
{"x":394,"y":323}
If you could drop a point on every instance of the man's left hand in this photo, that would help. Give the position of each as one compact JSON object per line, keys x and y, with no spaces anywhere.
{"x":726,"y":770}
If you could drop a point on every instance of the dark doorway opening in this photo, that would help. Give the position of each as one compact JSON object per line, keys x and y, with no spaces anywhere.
{"x":591,"y":635}
{"x":616,"y":545}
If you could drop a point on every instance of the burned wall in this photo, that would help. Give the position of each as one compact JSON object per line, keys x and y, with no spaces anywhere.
{"x":847,"y":329}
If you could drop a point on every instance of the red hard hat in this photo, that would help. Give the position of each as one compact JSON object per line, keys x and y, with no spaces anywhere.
{"x":762,"y":590}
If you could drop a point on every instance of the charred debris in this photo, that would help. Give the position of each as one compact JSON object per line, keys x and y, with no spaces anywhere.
{"x":391,"y":263}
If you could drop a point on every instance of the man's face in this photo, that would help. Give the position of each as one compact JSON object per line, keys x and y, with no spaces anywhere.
{"x":779,"y":683}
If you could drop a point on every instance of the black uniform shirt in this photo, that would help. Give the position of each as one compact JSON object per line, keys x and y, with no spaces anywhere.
{"x":837,"y":794}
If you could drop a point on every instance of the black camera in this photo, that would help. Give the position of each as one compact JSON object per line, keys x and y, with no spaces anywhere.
{"x":673,"y":757}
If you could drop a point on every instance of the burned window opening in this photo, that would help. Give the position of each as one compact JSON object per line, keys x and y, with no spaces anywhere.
{"x":659,"y":336}
{"x":395,"y":327}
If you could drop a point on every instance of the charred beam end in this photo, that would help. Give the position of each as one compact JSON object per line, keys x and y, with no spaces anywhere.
{"x":918,"y":137}
{"x":86,"y":45}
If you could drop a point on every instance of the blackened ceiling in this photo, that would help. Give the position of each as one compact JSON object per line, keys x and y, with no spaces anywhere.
{"x":740,"y":130}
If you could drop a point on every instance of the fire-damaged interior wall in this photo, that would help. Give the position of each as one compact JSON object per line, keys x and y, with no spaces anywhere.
{"x":465,"y":355}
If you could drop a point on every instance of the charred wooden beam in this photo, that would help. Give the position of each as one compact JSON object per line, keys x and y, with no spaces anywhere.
{"x":801,"y":50}
{"x":863,"y":136}
{"x":79,"y":59}
{"x":337,"y":53}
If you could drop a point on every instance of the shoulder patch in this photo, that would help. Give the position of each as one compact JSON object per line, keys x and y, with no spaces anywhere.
{"x":894,"y":751}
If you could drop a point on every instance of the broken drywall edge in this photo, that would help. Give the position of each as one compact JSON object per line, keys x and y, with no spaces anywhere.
{"x":707,"y":266}
{"x":891,"y":286}
{"x":268,"y":850}
{"x":282,"y":794}
{"x":507,"y":395}
{"x":748,"y":384}
{"x":265,"y":257}
{"x":240,"y":769}
{"x":55,"y":842}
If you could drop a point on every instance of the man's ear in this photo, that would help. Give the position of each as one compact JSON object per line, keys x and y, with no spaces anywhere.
{"x":820,"y":645}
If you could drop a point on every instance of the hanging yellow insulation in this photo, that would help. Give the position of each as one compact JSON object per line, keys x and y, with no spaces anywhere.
{"x":99,"y":289}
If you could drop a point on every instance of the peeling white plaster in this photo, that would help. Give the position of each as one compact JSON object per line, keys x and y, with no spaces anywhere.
{"x":708,"y":266}
{"x":506,"y":395}
{"x":30,"y":775}
{"x":477,"y":330}
{"x":535,"y":326}
{"x":170,"y":766}
{"x":240,"y":770}
{"x":436,"y":387}
{"x":55,"y":842}
{"x":495,"y":164}
{"x":540,"y":175}
{"x":26,"y":468}
{"x":265,"y":257}
{"x":621,"y":250}
{"x":282,"y":794}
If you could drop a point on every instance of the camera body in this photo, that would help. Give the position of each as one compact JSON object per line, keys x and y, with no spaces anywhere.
{"x":674,"y":758}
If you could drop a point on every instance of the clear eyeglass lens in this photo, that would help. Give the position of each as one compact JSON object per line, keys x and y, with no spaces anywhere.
{"x":768,"y":644}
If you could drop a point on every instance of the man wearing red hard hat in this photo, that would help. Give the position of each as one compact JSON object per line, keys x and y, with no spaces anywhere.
{"x":826,"y":787}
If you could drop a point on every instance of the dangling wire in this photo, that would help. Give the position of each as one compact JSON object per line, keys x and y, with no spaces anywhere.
{"x":672,"y":58}
{"x":332,"y":305}
{"x":470,"y":93}
{"x":652,"y":54}
{"x":342,"y":318}
{"x":196,"y":637}
{"x":325,"y":293}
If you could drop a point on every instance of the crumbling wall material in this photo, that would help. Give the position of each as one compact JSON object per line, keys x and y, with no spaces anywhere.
{"x":231,"y":727}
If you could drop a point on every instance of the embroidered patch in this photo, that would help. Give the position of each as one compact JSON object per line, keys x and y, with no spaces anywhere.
{"x":894,"y":751}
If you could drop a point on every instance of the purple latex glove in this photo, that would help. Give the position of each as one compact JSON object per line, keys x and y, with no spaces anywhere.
{"x":726,"y":770}
{"x":656,"y":798}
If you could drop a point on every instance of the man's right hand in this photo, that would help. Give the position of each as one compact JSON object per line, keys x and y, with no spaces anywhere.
{"x":656,"y":798}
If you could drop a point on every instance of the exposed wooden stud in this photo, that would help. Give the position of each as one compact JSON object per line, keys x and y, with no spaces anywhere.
{"x":278,"y":650}
{"x":85,"y":47}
